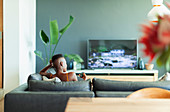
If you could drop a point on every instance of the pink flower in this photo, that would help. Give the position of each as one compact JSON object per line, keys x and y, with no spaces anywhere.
{"x":167,"y":4}
{"x":156,"y":38}
{"x":164,"y":30}
{"x":150,"y":39}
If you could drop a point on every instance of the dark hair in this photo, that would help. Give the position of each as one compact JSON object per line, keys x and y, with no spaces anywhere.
{"x":57,"y":56}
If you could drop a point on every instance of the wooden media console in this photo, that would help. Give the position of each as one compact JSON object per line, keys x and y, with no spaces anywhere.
{"x":120,"y":74}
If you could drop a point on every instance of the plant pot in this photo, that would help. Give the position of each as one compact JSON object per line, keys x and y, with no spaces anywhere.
{"x":149,"y":66}
{"x":165,"y":77}
{"x":76,"y":66}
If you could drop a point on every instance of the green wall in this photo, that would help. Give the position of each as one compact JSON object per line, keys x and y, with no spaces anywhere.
{"x":94,"y":19}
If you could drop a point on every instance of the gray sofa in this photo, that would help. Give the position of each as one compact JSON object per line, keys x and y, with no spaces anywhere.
{"x":41,"y":96}
{"x":109,"y":88}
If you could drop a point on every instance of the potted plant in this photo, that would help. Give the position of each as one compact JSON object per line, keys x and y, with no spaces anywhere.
{"x":55,"y":37}
{"x":75,"y":61}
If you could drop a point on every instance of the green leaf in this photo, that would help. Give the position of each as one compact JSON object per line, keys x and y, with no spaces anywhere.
{"x":159,"y":61}
{"x":44,"y":37}
{"x":167,"y":65}
{"x":39,"y":54}
{"x":67,"y":26}
{"x":163,"y":58}
{"x":54,"y":32}
{"x":65,"y":55}
{"x":75,"y":57}
{"x":102,"y":49}
{"x":78,"y":59}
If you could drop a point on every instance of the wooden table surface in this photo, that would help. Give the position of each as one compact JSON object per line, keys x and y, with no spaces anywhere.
{"x":117,"y":105}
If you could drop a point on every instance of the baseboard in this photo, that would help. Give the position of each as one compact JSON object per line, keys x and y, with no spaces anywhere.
{"x":1,"y":93}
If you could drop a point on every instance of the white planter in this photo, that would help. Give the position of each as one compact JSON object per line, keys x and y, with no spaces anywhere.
{"x":74,"y":65}
{"x":165,"y":77}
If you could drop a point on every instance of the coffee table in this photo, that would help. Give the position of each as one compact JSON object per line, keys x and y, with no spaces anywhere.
{"x":117,"y":105}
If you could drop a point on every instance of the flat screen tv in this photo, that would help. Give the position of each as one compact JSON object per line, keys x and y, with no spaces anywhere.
{"x":108,"y":54}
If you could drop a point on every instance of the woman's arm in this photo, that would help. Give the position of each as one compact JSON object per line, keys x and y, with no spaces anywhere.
{"x":72,"y":76}
{"x":44,"y":71}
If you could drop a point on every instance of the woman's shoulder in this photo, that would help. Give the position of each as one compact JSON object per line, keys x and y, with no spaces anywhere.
{"x":71,"y":73}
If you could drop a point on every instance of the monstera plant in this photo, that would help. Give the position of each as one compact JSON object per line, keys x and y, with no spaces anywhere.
{"x":55,"y":36}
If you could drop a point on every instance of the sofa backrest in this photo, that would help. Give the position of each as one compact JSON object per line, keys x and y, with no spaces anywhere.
{"x":37,"y":76}
{"x":110,"y":85}
{"x":36,"y":85}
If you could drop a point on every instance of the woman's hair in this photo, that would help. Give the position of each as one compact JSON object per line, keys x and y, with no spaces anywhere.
{"x":57,"y":56}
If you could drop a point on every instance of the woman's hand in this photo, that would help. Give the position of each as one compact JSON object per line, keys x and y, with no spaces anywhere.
{"x":50,"y":76}
{"x":51,"y":63}
{"x":83,"y":76}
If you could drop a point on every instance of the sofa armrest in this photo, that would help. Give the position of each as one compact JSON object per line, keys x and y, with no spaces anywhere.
{"x":21,"y":88}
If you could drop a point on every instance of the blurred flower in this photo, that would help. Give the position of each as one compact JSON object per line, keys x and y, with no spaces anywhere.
{"x":164,"y":30}
{"x":167,"y":4}
{"x":151,"y":41}
{"x":156,"y":39}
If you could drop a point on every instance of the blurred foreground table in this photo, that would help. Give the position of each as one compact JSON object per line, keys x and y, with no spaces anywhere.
{"x":117,"y":105}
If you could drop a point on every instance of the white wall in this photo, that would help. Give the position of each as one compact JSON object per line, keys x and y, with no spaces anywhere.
{"x":11,"y":44}
{"x":27,"y":18}
{"x":18,"y":59}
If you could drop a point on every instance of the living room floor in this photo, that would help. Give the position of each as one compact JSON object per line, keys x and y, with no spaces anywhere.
{"x":2,"y":105}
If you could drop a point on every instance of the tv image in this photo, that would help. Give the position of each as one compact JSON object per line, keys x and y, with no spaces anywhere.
{"x":108,"y":54}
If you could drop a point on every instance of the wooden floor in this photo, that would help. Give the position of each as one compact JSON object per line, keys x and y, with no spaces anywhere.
{"x":2,"y":105}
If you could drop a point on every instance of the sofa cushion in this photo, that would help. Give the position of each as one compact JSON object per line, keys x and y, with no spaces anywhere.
{"x":36,"y":85}
{"x":111,"y":85}
{"x":35,"y":76}
{"x":112,"y":93}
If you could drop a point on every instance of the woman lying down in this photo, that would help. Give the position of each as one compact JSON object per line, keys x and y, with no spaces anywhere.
{"x":59,"y":64}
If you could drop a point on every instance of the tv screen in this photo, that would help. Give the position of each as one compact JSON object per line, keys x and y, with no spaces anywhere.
{"x":107,"y":54}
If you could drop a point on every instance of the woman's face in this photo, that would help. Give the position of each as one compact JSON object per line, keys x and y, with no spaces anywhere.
{"x":64,"y":65}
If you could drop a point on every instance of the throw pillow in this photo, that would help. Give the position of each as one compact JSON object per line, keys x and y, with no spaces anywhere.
{"x":55,"y":79}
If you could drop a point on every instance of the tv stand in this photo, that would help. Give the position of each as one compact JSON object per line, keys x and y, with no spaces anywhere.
{"x":120,"y":74}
